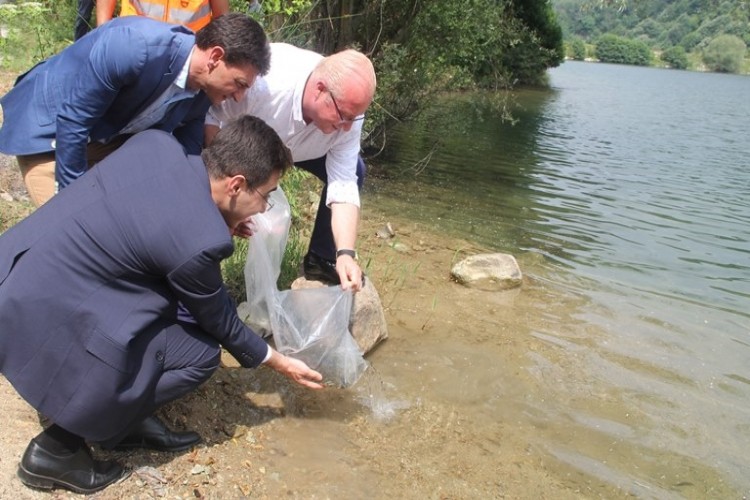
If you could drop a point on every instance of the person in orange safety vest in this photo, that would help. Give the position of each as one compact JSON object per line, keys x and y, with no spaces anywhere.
{"x":193,"y":14}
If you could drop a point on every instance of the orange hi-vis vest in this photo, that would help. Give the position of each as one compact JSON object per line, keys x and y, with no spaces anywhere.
{"x":193,"y":14}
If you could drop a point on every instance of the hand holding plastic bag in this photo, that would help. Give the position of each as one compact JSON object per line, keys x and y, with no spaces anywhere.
{"x":313,"y":325}
{"x":310,"y":324}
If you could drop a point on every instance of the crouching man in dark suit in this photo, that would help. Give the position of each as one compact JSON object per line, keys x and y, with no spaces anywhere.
{"x":92,"y":285}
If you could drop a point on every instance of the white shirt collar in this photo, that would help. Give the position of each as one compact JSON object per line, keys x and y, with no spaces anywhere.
{"x":299,"y":92}
{"x":182,"y":77}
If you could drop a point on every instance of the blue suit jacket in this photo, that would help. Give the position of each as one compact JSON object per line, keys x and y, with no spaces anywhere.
{"x":94,"y":87}
{"x":102,"y":266}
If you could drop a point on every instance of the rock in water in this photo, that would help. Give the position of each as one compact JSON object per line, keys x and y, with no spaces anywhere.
{"x":492,"y":272}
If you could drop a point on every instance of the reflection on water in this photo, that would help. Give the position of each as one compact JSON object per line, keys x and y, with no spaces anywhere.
{"x":632,"y":185}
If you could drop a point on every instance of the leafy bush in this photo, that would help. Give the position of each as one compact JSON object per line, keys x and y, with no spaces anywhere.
{"x":725,"y":54}
{"x":616,"y":49}
{"x":675,"y":57}
{"x":33,"y":31}
{"x":577,"y":49}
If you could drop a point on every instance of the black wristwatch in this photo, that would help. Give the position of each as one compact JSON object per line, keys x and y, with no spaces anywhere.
{"x":346,"y":251}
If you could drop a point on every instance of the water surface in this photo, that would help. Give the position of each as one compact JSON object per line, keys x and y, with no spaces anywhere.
{"x":627,"y":189}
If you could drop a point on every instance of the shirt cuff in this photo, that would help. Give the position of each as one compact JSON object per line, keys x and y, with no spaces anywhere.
{"x":342,"y":192}
{"x":268,"y":354}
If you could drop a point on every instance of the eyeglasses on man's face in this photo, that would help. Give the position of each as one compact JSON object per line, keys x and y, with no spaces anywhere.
{"x":266,"y":197}
{"x":342,"y":118}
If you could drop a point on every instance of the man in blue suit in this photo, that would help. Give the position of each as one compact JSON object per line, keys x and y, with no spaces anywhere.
{"x":92,"y":285}
{"x":129,"y":75}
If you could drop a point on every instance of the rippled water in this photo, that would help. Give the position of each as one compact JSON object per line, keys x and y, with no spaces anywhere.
{"x":633,"y":184}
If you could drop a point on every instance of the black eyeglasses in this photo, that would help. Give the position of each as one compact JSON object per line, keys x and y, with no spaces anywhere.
{"x":341,"y":117}
{"x":266,"y":197}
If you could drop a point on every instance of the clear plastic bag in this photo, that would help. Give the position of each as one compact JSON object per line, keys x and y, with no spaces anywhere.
{"x":313,"y":325}
{"x":264,"y":255}
{"x":309,"y":324}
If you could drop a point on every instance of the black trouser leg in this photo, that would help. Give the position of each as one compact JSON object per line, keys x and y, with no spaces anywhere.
{"x":321,"y":240}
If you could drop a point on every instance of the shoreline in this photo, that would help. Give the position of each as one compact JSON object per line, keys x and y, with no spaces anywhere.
{"x":264,"y":438}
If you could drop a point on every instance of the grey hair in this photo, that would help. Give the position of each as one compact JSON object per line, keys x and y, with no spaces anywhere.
{"x":341,"y":68}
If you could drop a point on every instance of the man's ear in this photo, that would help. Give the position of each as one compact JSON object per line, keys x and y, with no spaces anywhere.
{"x":321,"y":86}
{"x":236,"y":184}
{"x":215,"y":54}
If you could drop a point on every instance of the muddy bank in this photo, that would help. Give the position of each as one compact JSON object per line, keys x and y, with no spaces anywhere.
{"x":404,"y":431}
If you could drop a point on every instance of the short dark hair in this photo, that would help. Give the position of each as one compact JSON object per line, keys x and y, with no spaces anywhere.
{"x":242,"y":39}
{"x":247,"y":146}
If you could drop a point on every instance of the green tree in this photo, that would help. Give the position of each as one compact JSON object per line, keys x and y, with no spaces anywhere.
{"x":619,"y":50}
{"x":725,"y":54}
{"x":675,"y":57}
{"x":577,"y":49}
{"x":676,"y":32}
{"x":539,"y":17}
{"x":420,"y":48}
{"x":650,"y":28}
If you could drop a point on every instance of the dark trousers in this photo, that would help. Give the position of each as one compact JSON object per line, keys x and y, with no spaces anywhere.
{"x":188,"y":357}
{"x":83,"y":18}
{"x":321,"y":240}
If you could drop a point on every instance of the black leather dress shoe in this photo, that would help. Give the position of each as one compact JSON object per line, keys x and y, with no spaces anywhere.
{"x":77,"y":471}
{"x":316,"y":268}
{"x":154,"y":435}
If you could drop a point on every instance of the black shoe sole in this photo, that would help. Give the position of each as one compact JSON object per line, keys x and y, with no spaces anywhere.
{"x":146,"y":446}
{"x":47,"y":483}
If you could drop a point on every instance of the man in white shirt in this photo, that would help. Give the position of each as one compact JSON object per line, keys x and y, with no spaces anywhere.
{"x":316,"y":104}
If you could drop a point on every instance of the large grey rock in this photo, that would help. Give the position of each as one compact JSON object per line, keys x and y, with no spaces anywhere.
{"x":492,"y":272}
{"x":367,"y":323}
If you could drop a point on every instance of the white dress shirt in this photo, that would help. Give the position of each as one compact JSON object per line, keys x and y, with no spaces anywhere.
{"x":276,"y":98}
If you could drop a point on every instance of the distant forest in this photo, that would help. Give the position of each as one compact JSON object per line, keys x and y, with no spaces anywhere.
{"x":711,"y":35}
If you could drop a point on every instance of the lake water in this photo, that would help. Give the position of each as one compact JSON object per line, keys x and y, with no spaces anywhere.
{"x":629,"y":189}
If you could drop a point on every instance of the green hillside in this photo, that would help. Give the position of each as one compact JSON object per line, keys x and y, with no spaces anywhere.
{"x":700,"y":34}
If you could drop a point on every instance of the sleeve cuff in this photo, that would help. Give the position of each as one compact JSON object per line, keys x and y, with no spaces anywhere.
{"x":268,"y":355}
{"x":342,"y":192}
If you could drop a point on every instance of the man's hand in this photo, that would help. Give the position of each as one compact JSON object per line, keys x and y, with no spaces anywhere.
{"x":244,"y":229}
{"x":344,"y":222}
{"x":350,"y":273}
{"x":295,"y":369}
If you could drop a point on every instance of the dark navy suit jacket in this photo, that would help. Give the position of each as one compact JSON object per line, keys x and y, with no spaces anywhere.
{"x":103,"y":264}
{"x":95,"y":87}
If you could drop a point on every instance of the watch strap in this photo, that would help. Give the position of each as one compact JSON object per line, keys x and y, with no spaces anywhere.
{"x":346,"y":251}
